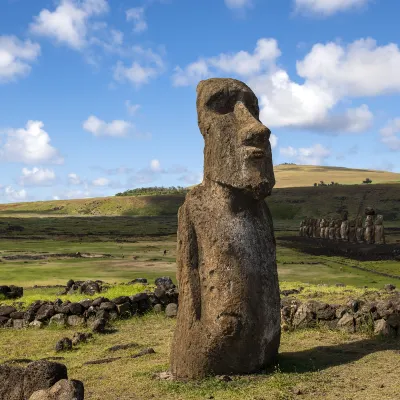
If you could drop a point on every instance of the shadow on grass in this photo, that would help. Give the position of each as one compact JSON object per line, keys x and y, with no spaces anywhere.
{"x":323,"y":357}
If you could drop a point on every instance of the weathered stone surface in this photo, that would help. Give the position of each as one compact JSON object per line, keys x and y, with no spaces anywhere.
{"x":99,"y":325}
{"x":5,"y":311}
{"x":75,"y":320}
{"x":80,"y":337}
{"x":171,"y":310}
{"x":3,"y":321}
{"x":17,"y":315}
{"x":62,"y":390}
{"x":63,"y":344}
{"x":379,"y":231}
{"x":45,"y":312}
{"x":347,"y":323}
{"x":124,"y":309}
{"x":108,"y":306}
{"x":42,"y":375}
{"x":11,"y":382}
{"x":19,"y":324}
{"x":304,"y":316}
{"x":36,"y":324}
{"x":383,"y":328}
{"x":90,"y":288}
{"x":121,"y":300}
{"x":87,"y":303}
{"x":158,"y":308}
{"x":369,"y":231}
{"x":58,"y":320}
{"x":76,"y":309}
{"x":138,"y":297}
{"x":96,"y":302}
{"x":229,"y":305}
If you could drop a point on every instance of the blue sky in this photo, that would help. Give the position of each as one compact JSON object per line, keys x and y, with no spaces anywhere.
{"x":98,"y":96}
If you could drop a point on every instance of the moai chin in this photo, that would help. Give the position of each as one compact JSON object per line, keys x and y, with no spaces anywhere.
{"x":379,"y":230}
{"x":229,"y":304}
{"x":369,"y":229}
{"x":359,"y":230}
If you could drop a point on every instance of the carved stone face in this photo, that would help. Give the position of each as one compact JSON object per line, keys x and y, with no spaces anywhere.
{"x":237,"y":150}
{"x":379,"y":220}
{"x":369,"y":220}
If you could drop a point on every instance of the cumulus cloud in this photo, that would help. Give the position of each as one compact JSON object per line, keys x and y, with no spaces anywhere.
{"x":131,"y":108}
{"x":136,"y":15}
{"x":314,"y":155}
{"x":74,"y":179}
{"x":238,"y":4}
{"x":75,"y":194}
{"x":273,"y":140}
{"x":155,"y":166}
{"x":15,"y":57}
{"x":331,"y":72}
{"x":390,"y":134}
{"x":30,"y":145}
{"x":328,"y":7}
{"x":37,"y":177}
{"x":147,"y":65}
{"x":69,"y":22}
{"x":98,"y":127}
{"x":14,"y":195}
{"x":101,"y":182}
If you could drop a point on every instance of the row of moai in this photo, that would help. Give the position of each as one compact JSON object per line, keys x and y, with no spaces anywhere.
{"x":354,"y":231}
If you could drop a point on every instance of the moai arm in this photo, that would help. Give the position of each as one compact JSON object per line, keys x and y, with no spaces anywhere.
{"x":188,"y":263}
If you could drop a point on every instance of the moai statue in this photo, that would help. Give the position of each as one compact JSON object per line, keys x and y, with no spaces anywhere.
{"x":229,"y":302}
{"x":318,"y":228}
{"x":301,"y":233}
{"x":332,"y":230}
{"x":327,"y":225}
{"x":359,"y":230}
{"x":352,"y":231}
{"x":322,"y":228}
{"x":369,"y":229}
{"x":315,"y":228}
{"x":344,"y":228}
{"x":379,"y":230}
{"x":338,"y":223}
{"x":310,"y":228}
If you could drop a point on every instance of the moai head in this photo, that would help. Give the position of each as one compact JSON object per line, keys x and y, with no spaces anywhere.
{"x":345,"y":215}
{"x":237,"y":150}
{"x":332,"y":223}
{"x":321,"y":223}
{"x":359,"y":222}
{"x":369,"y":221}
{"x":352,"y":223}
{"x":379,"y":219}
{"x":338,"y":222}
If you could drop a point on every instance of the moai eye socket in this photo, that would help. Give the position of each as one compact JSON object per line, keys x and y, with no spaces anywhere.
{"x":222,"y":103}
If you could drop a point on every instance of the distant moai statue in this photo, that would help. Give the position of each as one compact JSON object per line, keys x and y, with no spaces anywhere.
{"x":301,"y":233}
{"x":359,"y":230}
{"x":315,"y":227}
{"x":338,"y":223}
{"x":326,"y":229}
{"x":344,"y":228}
{"x":352,"y":231}
{"x":369,"y":229}
{"x":369,"y":232}
{"x":332,"y":230}
{"x":322,"y":228}
{"x":318,"y":228}
{"x":379,"y":230}
{"x":228,"y":318}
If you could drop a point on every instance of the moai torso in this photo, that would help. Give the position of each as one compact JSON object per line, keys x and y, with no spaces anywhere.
{"x":322,"y":229}
{"x":379,"y":230}
{"x":317,"y":228}
{"x":359,"y":230}
{"x":344,"y":230}
{"x":337,"y":229}
{"x":229,"y":302}
{"x":369,"y":229}
{"x":301,"y":228}
{"x":326,"y":229}
{"x":332,"y":230}
{"x":352,"y":231}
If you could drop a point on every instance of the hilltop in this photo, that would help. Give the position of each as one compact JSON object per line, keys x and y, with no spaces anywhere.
{"x":293,"y":197}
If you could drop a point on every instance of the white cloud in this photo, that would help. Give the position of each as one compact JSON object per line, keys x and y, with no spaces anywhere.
{"x":147,"y":65}
{"x":331,"y":74}
{"x":314,"y":155}
{"x":98,"y":127}
{"x":136,"y":15}
{"x":155,"y":166}
{"x":37,"y":177}
{"x":101,"y":182}
{"x":15,"y":57}
{"x":30,"y":145}
{"x":75,"y":194}
{"x":132,"y":108}
{"x":390,"y":134}
{"x":328,"y":7}
{"x":69,"y":23}
{"x":74,"y":179}
{"x":273,"y":140}
{"x":191,"y":178}
{"x":238,"y":3}
{"x":14,"y":195}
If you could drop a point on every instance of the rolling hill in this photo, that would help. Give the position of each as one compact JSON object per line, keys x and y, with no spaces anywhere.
{"x":293,"y":197}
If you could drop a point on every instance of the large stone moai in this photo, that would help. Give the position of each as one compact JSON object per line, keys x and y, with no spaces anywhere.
{"x":326,"y":228}
{"x":369,"y":232}
{"x":318,"y":228}
{"x":322,"y":228}
{"x":352,"y":231}
{"x":344,"y":228}
{"x":229,"y":304}
{"x":338,"y":223}
{"x":359,"y":230}
{"x":379,"y":230}
{"x":332,"y":229}
{"x":301,"y":228}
